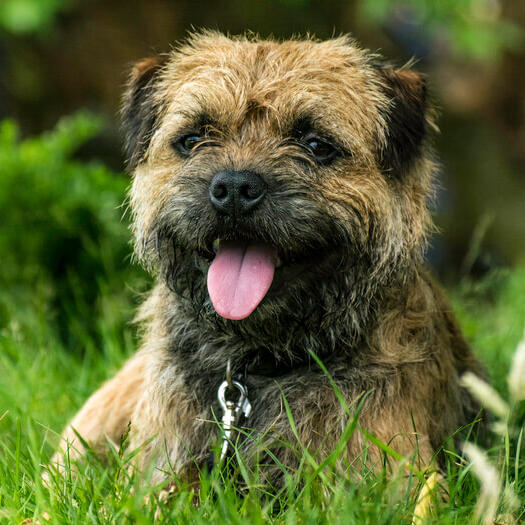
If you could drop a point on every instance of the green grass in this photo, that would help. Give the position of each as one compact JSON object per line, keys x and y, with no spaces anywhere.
{"x":67,"y":294}
{"x":42,"y":384}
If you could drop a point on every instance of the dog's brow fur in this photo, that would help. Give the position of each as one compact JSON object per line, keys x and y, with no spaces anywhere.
{"x":351,"y":234}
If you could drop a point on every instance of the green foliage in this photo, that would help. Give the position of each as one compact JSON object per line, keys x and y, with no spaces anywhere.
{"x":473,"y":29}
{"x":62,"y":235}
{"x":29,"y":16}
{"x":497,"y":302}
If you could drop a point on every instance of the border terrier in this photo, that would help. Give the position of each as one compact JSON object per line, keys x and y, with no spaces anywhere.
{"x":280,"y":197}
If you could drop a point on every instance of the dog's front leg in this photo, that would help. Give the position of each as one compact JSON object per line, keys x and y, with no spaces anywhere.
{"x":105,"y":416}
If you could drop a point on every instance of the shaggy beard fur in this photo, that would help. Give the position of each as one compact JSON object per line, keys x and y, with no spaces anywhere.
{"x":326,"y":310}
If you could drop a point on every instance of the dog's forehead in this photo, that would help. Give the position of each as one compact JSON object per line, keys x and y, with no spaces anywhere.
{"x":227,"y":79}
{"x":265,"y":62}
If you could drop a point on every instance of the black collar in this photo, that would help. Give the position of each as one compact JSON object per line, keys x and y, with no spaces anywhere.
{"x":266,"y":364}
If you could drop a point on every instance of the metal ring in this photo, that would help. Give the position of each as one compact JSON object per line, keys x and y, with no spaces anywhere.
{"x":222,"y":391}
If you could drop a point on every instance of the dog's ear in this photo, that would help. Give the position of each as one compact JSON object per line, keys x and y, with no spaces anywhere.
{"x":406,"y":120}
{"x":140,"y":109}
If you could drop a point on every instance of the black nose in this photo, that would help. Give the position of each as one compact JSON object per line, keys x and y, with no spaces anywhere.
{"x":236,"y":193}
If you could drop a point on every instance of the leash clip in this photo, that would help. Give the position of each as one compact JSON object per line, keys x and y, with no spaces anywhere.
{"x":231,"y":411}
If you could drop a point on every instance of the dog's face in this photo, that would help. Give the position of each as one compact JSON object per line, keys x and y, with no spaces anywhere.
{"x":263,"y":170}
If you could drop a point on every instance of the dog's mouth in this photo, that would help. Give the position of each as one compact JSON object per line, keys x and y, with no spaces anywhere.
{"x":242,"y":271}
{"x":240,"y":276}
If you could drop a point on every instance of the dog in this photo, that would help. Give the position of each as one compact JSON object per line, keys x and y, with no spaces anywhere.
{"x":280,"y":197}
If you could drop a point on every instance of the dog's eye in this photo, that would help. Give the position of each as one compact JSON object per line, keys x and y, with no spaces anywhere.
{"x":321,"y":149}
{"x":186,"y":144}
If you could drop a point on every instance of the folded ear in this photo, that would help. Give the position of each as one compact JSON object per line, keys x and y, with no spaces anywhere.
{"x":140,"y":110}
{"x":406,"y":121}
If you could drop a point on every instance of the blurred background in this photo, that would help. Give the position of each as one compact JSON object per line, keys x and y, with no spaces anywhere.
{"x":63,"y":232}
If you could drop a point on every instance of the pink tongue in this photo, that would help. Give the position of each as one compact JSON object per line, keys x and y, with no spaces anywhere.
{"x":239,"y":277}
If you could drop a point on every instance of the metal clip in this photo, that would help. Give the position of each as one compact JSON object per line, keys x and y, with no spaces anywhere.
{"x":231,"y":411}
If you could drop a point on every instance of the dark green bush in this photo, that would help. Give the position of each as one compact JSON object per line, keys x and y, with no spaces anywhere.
{"x":64,"y":236}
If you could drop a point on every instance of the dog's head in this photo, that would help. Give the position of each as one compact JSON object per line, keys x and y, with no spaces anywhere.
{"x":263,"y":171}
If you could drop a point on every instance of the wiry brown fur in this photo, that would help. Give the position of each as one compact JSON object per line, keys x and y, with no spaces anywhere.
{"x":351,"y":235}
